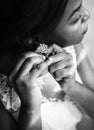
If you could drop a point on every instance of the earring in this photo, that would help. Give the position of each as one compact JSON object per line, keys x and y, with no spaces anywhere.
{"x":42,"y":48}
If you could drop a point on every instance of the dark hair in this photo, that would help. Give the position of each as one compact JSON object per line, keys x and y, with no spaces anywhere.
{"x":32,"y":17}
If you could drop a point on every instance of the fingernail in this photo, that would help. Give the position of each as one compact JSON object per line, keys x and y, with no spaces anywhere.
{"x":43,"y":57}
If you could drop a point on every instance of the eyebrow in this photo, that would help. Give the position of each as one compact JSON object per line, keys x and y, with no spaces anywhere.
{"x":74,"y":11}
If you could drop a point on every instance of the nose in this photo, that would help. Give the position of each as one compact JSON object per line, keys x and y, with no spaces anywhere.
{"x":86,"y":15}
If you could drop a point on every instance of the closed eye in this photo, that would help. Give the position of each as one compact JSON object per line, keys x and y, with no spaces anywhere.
{"x":76,"y":19}
{"x":74,"y":11}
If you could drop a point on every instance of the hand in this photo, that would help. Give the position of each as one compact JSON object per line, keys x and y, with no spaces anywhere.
{"x":62,"y":65}
{"x":24,"y":79}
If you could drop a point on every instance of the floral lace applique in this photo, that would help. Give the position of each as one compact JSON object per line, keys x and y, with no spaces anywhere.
{"x":8,"y":96}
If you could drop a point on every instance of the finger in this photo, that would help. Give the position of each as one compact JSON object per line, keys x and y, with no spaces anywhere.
{"x":28,"y":65}
{"x":39,"y":69}
{"x":24,"y":57}
{"x":60,"y":65}
{"x":62,"y":56}
{"x":20,"y":62}
{"x":62,"y":73}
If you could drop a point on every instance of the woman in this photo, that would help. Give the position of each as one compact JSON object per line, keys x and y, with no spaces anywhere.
{"x":63,"y":22}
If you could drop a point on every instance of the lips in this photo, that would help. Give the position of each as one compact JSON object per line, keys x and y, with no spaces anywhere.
{"x":85,"y":28}
{"x":85,"y":31}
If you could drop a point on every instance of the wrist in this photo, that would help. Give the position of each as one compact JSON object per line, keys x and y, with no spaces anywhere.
{"x":29,"y":110}
{"x":32,"y":100}
{"x":31,"y":118}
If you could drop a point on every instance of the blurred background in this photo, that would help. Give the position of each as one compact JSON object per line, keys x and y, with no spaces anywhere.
{"x":89,"y":38}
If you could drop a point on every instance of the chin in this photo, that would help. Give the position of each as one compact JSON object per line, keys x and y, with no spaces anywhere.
{"x":75,"y":42}
{"x":79,"y":40}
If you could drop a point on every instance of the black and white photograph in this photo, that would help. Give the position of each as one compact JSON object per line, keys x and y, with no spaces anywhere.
{"x":47,"y":65}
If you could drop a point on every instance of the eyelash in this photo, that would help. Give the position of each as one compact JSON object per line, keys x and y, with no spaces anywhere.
{"x":77,"y":19}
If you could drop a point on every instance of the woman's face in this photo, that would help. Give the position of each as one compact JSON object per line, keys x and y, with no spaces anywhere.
{"x":73,"y":24}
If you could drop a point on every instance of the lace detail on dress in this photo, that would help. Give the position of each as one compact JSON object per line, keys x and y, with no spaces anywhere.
{"x":8,"y":96}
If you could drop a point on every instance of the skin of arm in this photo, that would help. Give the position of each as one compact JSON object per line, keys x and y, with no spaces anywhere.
{"x":29,"y":120}
{"x":82,"y":96}
{"x":85,"y":68}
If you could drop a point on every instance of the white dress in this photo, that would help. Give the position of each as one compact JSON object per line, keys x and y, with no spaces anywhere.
{"x":60,"y":115}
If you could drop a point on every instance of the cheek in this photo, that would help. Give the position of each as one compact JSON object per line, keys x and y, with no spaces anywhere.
{"x":68,"y":35}
{"x":73,"y":34}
